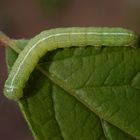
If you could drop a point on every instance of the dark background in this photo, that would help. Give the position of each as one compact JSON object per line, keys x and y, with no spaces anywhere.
{"x":26,"y":18}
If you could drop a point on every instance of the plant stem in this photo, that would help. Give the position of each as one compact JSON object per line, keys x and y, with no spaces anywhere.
{"x":8,"y":42}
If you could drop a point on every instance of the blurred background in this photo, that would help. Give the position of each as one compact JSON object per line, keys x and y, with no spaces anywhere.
{"x":26,"y":18}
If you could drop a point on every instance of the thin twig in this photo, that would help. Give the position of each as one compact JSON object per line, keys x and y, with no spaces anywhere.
{"x":8,"y":42}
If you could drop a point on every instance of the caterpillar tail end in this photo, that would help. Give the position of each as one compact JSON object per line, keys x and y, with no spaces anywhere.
{"x":13,"y":93}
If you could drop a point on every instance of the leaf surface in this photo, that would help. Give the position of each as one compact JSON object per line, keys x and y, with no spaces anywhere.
{"x":85,"y":93}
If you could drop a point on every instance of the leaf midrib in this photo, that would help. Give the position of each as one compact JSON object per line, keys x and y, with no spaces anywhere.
{"x":71,"y":92}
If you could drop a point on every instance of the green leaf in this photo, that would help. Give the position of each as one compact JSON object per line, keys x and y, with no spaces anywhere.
{"x":85,"y":93}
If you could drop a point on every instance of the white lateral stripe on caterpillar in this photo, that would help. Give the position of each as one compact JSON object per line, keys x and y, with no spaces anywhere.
{"x":54,"y":35}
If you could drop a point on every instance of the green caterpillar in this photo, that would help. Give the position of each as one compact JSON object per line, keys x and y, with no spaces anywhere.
{"x":61,"y":38}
